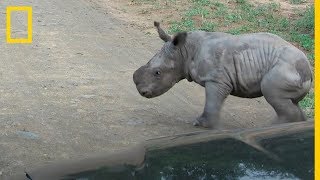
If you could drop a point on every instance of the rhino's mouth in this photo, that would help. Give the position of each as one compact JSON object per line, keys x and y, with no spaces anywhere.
{"x":145,"y":92}
{"x":146,"y":95}
{"x":152,"y":90}
{"x":150,"y":94}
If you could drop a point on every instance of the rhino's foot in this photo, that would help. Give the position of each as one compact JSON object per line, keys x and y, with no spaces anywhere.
{"x":203,"y":122}
{"x":296,"y":117}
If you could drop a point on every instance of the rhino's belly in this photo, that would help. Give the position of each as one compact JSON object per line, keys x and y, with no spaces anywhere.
{"x":246,"y":82}
{"x":250,"y":90}
{"x":242,"y":86}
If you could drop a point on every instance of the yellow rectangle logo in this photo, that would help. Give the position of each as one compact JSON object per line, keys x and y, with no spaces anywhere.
{"x":28,"y":9}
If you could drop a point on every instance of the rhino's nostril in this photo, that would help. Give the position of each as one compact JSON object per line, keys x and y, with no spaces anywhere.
{"x":145,"y":92}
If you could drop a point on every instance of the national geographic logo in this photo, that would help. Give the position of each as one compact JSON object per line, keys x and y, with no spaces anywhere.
{"x":26,"y":40}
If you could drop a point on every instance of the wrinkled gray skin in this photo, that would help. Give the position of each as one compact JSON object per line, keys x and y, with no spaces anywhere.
{"x":248,"y":66}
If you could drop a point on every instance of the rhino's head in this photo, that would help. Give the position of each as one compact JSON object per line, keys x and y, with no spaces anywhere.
{"x":165,"y":68}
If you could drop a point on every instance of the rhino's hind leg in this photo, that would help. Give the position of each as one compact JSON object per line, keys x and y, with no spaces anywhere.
{"x":286,"y":110}
{"x":280,"y":89}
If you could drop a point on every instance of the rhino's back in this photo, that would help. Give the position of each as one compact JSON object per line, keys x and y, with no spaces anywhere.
{"x":243,"y":60}
{"x":265,"y":41}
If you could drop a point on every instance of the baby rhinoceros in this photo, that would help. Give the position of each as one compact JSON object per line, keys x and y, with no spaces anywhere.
{"x":247,"y":65}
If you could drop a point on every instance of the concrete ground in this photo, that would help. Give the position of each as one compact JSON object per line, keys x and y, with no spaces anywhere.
{"x":70,"y":93}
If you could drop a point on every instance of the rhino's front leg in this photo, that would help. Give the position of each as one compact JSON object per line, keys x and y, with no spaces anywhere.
{"x":215,"y":96}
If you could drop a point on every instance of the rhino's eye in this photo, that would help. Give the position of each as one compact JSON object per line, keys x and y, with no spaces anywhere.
{"x":157,"y":73}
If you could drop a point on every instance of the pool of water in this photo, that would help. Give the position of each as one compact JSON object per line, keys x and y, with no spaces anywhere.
{"x":220,"y":159}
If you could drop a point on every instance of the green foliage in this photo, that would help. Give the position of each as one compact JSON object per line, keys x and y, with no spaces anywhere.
{"x":221,"y":10}
{"x":218,"y":4}
{"x":208,"y":26}
{"x":302,"y":32}
{"x":202,"y":2}
{"x":233,"y":17}
{"x":184,"y":25}
{"x":241,"y":1}
{"x":304,"y":40}
{"x":197,"y":11}
{"x":238,"y":30}
{"x":305,"y":24}
{"x":307,"y":104}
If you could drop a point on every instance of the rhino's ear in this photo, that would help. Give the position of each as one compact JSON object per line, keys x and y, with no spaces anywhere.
{"x":164,"y":36}
{"x":179,"y":39}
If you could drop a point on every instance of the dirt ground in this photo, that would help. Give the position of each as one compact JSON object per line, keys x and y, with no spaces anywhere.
{"x":70,"y":93}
